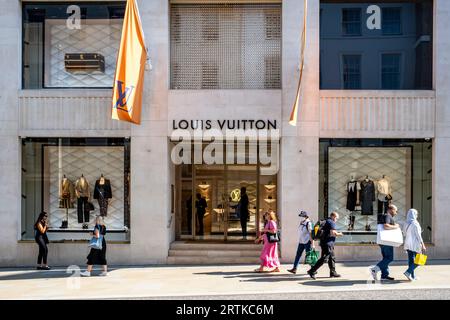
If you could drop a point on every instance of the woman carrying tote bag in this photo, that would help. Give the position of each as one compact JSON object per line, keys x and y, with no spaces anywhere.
{"x":413,"y":242}
{"x":97,"y":255}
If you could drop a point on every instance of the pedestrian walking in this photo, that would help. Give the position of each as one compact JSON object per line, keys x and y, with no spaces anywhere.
{"x":327,"y":241}
{"x":269,"y":254}
{"x":387,"y":252}
{"x":40,"y":236}
{"x":305,"y":241}
{"x":413,"y":242}
{"x":97,"y":256}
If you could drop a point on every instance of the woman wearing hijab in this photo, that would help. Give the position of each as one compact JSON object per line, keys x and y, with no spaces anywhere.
{"x":413,"y":242}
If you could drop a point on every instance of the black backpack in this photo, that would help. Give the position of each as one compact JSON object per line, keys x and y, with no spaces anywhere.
{"x":318,"y":233}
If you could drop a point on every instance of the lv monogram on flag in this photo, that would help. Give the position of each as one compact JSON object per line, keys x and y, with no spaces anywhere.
{"x":129,"y":76}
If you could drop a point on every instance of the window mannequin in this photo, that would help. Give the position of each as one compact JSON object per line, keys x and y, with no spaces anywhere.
{"x":82,"y":191}
{"x":102,"y":192}
{"x":384,"y":192}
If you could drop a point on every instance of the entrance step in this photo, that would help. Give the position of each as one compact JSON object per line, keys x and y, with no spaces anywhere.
{"x":213,"y":253}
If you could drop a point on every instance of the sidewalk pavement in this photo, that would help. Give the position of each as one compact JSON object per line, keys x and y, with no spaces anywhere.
{"x":179,"y":282}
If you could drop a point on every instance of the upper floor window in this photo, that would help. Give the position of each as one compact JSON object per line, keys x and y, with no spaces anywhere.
{"x":391,"y":21}
{"x":70,"y":44}
{"x":390,"y":71}
{"x":351,"y":22}
{"x":351,"y":65}
{"x":225,"y":46}
{"x":393,"y":37}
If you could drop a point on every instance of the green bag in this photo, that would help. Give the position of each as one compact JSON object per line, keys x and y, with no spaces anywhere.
{"x":311,"y":257}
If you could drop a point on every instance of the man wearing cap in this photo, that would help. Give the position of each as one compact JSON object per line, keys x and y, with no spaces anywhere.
{"x":305,"y":239}
{"x":386,"y":251}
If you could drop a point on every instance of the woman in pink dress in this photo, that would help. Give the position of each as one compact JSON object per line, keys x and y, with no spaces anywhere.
{"x":269,"y":254}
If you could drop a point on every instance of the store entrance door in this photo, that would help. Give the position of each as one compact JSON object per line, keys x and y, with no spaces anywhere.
{"x":211,"y":206}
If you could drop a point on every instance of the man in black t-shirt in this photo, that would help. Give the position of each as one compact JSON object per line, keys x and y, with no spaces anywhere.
{"x":388,"y":222}
{"x":327,"y":246}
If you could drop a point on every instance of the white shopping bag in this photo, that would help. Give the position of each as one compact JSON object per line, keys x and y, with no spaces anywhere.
{"x":392,"y":237}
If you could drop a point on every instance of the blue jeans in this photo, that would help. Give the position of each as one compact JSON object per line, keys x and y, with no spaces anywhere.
{"x":300,"y":248}
{"x":411,"y":265}
{"x":388,"y":256}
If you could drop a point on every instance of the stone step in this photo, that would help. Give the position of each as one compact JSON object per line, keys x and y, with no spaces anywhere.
{"x":179,"y":245}
{"x":214,"y":253}
{"x":200,"y":260}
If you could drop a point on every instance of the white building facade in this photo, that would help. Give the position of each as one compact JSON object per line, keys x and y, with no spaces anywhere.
{"x":375,"y":106}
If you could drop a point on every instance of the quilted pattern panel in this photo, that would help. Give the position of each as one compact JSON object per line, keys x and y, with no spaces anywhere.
{"x":374,"y":162}
{"x":91,"y":162}
{"x":95,"y":36}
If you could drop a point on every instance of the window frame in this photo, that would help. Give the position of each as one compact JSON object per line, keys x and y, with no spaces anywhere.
{"x":343,"y":23}
{"x":343,"y":55}
{"x":400,"y":66}
{"x":400,"y":22}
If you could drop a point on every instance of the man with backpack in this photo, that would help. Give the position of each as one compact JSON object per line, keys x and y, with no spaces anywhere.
{"x":327,"y":234}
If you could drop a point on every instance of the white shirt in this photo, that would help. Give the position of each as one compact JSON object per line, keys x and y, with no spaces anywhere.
{"x":383,"y":188}
{"x":304,"y":230}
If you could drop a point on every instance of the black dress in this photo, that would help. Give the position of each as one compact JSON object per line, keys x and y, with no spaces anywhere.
{"x":96,"y":256}
{"x":367,"y":197}
{"x":352,"y":189}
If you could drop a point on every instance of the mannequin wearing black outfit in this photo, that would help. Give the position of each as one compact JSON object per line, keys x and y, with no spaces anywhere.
{"x":102,"y":192}
{"x":201,"y":206}
{"x":367,"y":196}
{"x":243,"y":211}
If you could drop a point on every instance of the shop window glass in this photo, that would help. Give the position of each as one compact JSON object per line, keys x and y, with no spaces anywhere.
{"x":351,"y":22}
{"x":370,"y":29}
{"x":359,"y":176}
{"x":63,"y":176}
{"x":392,"y":21}
{"x":70,"y":44}
{"x":390,"y":71}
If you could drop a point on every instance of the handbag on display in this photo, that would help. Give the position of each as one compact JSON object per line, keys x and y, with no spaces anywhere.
{"x":90,"y":206}
{"x":391,"y":237}
{"x":311,"y":257}
{"x":274,"y":237}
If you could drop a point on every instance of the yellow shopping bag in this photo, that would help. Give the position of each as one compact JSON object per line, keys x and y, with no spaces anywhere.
{"x":420,"y":259}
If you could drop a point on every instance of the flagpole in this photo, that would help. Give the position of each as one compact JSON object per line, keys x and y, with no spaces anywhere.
{"x":294,"y":112}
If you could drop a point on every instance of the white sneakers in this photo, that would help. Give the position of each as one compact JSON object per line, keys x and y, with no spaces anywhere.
{"x":374,"y":270}
{"x":103,"y":274}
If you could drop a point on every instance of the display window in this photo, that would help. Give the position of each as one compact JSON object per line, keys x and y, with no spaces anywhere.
{"x":385,"y":45}
{"x":359,"y":178}
{"x":71,"y":44}
{"x":74,"y":180}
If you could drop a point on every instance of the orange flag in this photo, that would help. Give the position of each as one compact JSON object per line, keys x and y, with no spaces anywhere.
{"x":294,"y":113}
{"x":129,"y":77}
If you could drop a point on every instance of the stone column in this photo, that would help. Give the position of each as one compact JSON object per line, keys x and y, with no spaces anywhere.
{"x":441,"y":156}
{"x":10,"y":82}
{"x":299,"y":171}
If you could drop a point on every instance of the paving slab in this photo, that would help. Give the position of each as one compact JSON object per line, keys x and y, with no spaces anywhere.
{"x":172,"y":282}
